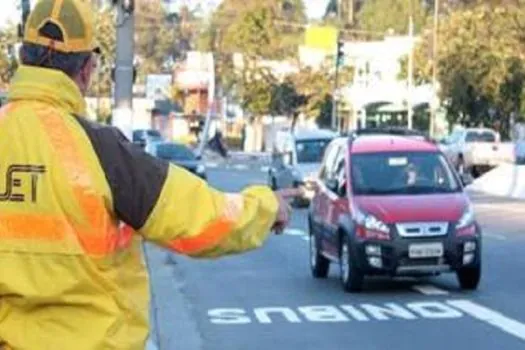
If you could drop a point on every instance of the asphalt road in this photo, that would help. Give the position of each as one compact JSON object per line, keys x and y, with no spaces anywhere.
{"x":267,"y":299}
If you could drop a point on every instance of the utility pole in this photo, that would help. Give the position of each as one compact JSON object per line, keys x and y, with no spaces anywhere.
{"x":338,"y":61}
{"x":25,"y":6}
{"x":410,"y":66}
{"x":124,"y":69}
{"x":433,"y":106}
{"x":351,"y":11}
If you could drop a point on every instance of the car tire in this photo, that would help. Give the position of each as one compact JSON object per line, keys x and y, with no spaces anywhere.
{"x":272,"y":183}
{"x":319,"y":264}
{"x":469,"y":277}
{"x":351,"y":277}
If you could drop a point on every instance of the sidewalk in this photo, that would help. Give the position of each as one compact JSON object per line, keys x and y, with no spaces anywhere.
{"x":507,"y":180}
{"x":173,"y":326}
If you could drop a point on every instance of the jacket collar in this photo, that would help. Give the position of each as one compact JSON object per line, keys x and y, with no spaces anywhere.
{"x":49,"y":86}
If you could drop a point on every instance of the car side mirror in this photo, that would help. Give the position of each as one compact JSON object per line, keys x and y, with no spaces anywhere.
{"x":466,"y":179}
{"x":332,"y":185}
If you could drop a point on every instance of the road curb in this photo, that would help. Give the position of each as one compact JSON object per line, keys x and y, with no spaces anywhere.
{"x":173,"y":326}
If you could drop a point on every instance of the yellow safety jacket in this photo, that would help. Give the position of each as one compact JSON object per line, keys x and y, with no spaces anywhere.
{"x":72,"y":276}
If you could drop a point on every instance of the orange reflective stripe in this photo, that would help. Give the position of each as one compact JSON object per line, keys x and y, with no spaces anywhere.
{"x":99,"y":234}
{"x":210,"y":237}
{"x":36,"y":227}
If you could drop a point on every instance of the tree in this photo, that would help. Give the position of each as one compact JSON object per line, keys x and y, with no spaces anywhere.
{"x":105,"y":36}
{"x":8,"y":63}
{"x":481,"y":67}
{"x":391,"y":15}
{"x":155,"y":38}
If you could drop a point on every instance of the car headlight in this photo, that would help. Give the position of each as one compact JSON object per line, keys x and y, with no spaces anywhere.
{"x":370,"y":222}
{"x":467,"y":218}
{"x":200,"y":169}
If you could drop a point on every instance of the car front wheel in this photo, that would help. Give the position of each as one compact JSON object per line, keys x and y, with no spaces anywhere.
{"x":469,"y":277}
{"x":319,"y":264}
{"x":351,"y":277}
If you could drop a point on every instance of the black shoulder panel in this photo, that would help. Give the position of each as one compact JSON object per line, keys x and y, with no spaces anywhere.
{"x":135,"y":177}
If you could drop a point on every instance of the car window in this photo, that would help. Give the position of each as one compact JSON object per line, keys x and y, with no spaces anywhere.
{"x":174,"y":152}
{"x":455,"y":137}
{"x":480,"y":136}
{"x":329,"y":159}
{"x":395,"y":173}
{"x":311,"y":151}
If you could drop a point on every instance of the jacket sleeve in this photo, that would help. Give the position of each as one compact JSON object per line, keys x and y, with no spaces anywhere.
{"x":195,"y":219}
{"x":170,"y":206}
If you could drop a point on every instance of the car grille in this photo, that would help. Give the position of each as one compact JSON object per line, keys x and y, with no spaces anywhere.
{"x":422,"y":229}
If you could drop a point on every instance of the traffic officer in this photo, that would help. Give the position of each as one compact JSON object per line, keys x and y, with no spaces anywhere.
{"x":77,"y":199}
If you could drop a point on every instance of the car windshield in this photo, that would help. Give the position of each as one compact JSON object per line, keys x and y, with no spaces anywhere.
{"x":397,"y":173}
{"x":174,"y":152}
{"x":454,"y":137}
{"x":480,"y":136}
{"x":311,"y":151}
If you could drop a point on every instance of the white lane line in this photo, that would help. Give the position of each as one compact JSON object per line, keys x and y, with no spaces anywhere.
{"x":491,"y":317}
{"x":511,"y":208}
{"x":429,"y":290}
{"x":294,"y":232}
{"x":495,"y":236}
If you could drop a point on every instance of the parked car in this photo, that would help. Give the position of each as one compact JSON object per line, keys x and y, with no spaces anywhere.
{"x":296,"y":159}
{"x":476,"y":150}
{"x":392,"y":206}
{"x":182,"y":156}
{"x":147,"y":139}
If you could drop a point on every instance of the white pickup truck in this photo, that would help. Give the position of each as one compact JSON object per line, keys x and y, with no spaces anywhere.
{"x":476,"y":150}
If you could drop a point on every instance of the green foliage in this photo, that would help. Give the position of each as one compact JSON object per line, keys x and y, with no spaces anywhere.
{"x":391,"y":15}
{"x":105,"y":35}
{"x":480,"y":61}
{"x":256,"y":90}
{"x":258,"y":30}
{"x":155,"y":37}
{"x":8,"y":63}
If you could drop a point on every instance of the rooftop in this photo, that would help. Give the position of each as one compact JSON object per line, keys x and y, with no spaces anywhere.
{"x":390,"y":143}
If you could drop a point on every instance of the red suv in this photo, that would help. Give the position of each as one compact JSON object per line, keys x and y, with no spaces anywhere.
{"x":393,"y":206}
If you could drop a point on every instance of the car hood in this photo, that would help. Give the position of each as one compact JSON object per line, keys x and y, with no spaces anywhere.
{"x":308,"y":169}
{"x":188,"y":164}
{"x":434,"y":207}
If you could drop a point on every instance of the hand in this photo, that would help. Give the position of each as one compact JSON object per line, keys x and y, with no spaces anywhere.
{"x":285,"y":210}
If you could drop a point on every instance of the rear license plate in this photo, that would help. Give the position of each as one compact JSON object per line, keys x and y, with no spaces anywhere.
{"x":426,"y":250}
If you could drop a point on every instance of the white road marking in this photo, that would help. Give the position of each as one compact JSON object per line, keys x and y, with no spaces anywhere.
{"x":495,"y":236}
{"x":431,"y":310}
{"x":306,"y":238}
{"x":240,"y":166}
{"x":491,"y":317}
{"x":491,"y":207}
{"x":265,"y":169}
{"x":429,"y":290}
{"x":294,"y":232}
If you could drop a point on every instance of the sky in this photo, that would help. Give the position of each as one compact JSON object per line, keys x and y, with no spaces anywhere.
{"x":315,"y":9}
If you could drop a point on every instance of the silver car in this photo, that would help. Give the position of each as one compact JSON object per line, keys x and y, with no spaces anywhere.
{"x":296,"y":160}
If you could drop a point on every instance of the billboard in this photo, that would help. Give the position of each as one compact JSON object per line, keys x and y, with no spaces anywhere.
{"x":322,"y":38}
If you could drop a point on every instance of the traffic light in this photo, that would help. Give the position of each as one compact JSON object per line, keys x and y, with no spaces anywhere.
{"x":340,"y":53}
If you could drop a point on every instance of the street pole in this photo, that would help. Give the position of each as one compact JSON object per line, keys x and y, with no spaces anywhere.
{"x":211,"y":104}
{"x":124,"y":70}
{"x":410,"y":66}
{"x":334,"y":98}
{"x":25,"y":6}
{"x":433,"y":107}
{"x":351,"y":11}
